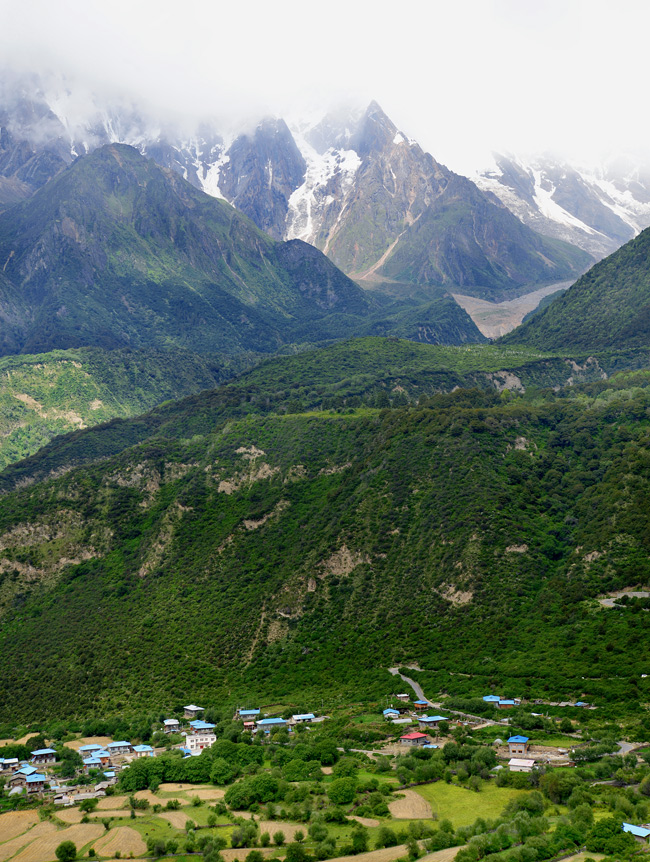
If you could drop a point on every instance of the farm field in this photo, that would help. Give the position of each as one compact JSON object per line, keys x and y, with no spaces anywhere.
{"x":413,"y":806}
{"x":462,"y":806}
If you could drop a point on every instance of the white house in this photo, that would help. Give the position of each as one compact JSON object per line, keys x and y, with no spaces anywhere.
{"x":199,"y":740}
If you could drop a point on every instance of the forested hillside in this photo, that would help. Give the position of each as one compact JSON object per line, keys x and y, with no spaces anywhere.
{"x":255,"y":552}
{"x":48,"y":394}
{"x":609,"y":307}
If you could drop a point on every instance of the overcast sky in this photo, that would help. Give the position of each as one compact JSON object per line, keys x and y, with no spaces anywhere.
{"x":463,"y":77}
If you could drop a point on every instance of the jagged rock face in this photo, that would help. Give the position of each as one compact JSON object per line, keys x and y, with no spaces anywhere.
{"x":353,"y":186}
{"x":260,"y":174}
{"x":597,"y":210}
{"x":385,"y":209}
{"x":22,"y":169}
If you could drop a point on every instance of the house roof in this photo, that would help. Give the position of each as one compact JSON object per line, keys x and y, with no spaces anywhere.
{"x":194,"y":707}
{"x":491,"y":698}
{"x":26,"y":770}
{"x":518,"y":739}
{"x":429,"y":746}
{"x":249,"y":712}
{"x":268,"y":721}
{"x":43,"y":751}
{"x":304,"y":716}
{"x":35,"y":778}
{"x":122,"y":743}
{"x":101,"y":753}
{"x":142,"y":748}
{"x":92,"y":761}
{"x":520,"y":761}
{"x":391,"y":711}
{"x":421,"y":702}
{"x":201,"y":725}
{"x":92,"y":747}
{"x":171,"y":721}
{"x":414,"y":735}
{"x":433,"y":718}
{"x":509,"y":702}
{"x":639,"y":831}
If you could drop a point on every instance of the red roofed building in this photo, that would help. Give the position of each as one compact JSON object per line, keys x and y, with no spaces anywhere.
{"x":414,"y":738}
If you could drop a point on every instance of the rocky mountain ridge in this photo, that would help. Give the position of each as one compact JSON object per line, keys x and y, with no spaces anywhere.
{"x":351,"y":184}
{"x":596,"y":208}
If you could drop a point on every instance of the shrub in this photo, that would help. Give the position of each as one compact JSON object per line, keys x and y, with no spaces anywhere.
{"x":66,"y":851}
{"x":341,"y":791}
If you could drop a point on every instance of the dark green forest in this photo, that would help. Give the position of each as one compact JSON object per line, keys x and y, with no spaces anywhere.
{"x":234,"y":550}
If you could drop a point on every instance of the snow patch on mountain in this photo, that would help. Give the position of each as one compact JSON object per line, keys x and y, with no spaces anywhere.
{"x":543,"y":196}
{"x":596,"y":208}
{"x":328,"y":179}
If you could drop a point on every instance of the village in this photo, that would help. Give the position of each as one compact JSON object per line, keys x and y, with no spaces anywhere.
{"x":427,"y":767}
{"x":104,"y":761}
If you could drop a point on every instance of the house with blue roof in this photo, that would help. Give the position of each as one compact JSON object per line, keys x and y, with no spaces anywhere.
{"x":121,"y":747}
{"x":427,"y":721}
{"x":269,"y":724}
{"x":35,"y":783}
{"x":506,"y":704}
{"x":491,"y":698}
{"x":44,"y":756}
{"x":641,"y":833}
{"x":391,"y":713}
{"x":518,"y":745}
{"x":185,"y":751}
{"x":420,"y":704}
{"x":143,"y":751}
{"x":246,"y":713}
{"x":92,"y":763}
{"x":199,"y":725}
{"x":87,"y":750}
{"x":303,"y":718}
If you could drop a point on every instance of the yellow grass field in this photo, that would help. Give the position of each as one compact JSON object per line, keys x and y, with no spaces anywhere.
{"x":289,"y":829}
{"x":149,"y":796}
{"x":70,"y":815}
{"x":175,"y":818}
{"x":411,"y":807}
{"x":442,"y":855}
{"x":25,"y":739}
{"x":116,"y":812}
{"x":8,"y":849}
{"x":208,"y":794}
{"x":386,"y":854}
{"x":42,"y":849}
{"x":14,"y":823}
{"x":88,"y":740}
{"x":112,"y":802}
{"x":240,"y":853}
{"x":174,"y":787}
{"x":123,"y":839}
{"x":364,"y":821}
